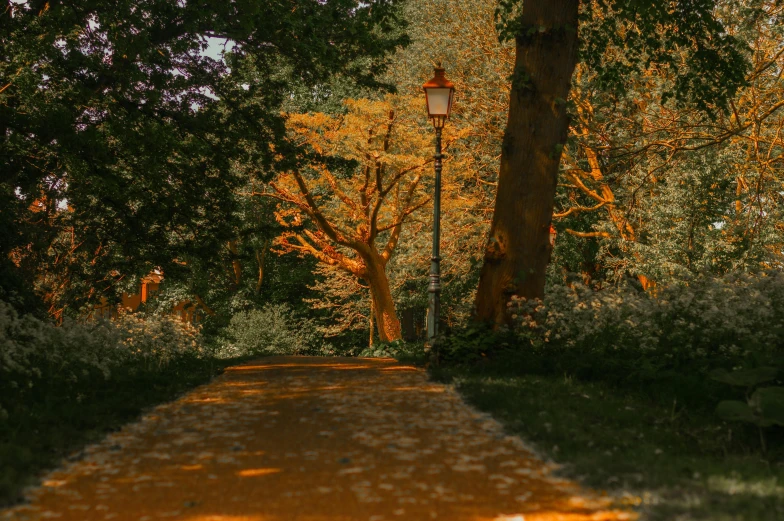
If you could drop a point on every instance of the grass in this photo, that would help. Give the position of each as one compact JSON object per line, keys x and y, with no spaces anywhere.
{"x":672,"y":462}
{"x":52,"y":425}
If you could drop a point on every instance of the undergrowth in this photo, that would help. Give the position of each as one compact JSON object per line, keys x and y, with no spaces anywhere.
{"x":670,"y":399}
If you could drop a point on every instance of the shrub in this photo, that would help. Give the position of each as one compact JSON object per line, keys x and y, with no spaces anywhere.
{"x":158,"y":340}
{"x":61,"y":387}
{"x":471,"y":345}
{"x":36,"y":356}
{"x":730,"y":322}
{"x":270,"y":330}
{"x":406,"y":352}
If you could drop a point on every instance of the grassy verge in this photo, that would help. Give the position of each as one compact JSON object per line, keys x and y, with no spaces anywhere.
{"x":52,"y":425}
{"x":674,"y":463}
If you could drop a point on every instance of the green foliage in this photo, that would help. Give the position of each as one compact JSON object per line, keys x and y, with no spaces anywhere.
{"x":471,"y":345}
{"x":406,"y":352}
{"x":628,"y":334}
{"x":768,"y":402}
{"x":764,"y":407}
{"x":270,"y":330}
{"x":114,"y":109}
{"x":266,"y":277}
{"x":733,"y":410}
{"x":688,"y":38}
{"x":666,"y":344}
{"x":36,"y":356}
{"x":745,"y":377}
{"x":678,"y":203}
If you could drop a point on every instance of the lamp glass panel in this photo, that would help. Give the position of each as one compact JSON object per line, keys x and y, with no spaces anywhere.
{"x":438,"y":101}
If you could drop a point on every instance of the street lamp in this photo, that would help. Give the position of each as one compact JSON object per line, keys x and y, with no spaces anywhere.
{"x":439,"y":94}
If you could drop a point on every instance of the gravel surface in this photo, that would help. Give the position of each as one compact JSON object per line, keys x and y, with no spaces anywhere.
{"x":312,"y":439}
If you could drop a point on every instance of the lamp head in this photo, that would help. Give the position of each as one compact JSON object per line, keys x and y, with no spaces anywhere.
{"x":439,"y":95}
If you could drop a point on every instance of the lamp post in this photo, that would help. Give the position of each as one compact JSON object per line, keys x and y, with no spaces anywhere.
{"x":439,"y":94}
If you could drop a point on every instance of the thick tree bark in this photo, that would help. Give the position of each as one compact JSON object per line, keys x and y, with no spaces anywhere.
{"x":371,"y":313}
{"x":387,"y":323}
{"x":518,"y":249}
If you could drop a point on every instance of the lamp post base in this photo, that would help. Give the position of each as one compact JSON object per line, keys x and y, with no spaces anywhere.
{"x":434,"y":301}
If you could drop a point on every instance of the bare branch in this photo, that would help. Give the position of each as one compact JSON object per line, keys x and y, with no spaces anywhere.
{"x":588,"y":234}
{"x":576,"y":209}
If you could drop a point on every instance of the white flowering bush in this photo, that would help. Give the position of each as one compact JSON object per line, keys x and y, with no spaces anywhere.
{"x":724,"y":321}
{"x":272,"y":329}
{"x":157,"y":341}
{"x":36,"y":355}
{"x":579,"y":316}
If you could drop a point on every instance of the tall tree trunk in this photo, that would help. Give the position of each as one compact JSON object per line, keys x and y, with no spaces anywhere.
{"x":371,"y":313}
{"x":261,"y":254}
{"x":387,"y":322}
{"x":518,"y":248}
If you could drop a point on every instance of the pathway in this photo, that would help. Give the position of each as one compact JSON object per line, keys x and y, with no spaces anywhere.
{"x":312,"y":439}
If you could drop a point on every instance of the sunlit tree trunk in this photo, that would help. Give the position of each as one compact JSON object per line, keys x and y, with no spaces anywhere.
{"x":518,"y":249}
{"x":387,"y":323}
{"x":371,"y":314}
{"x":236,"y":267}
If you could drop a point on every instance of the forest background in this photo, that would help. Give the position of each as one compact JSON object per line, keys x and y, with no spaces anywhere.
{"x":650,"y":188}
{"x":283,"y":185}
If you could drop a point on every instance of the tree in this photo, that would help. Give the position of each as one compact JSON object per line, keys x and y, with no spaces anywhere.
{"x":479,"y":65}
{"x":708,"y":66}
{"x":661,"y":191}
{"x":363,"y":184}
{"x":114,"y":108}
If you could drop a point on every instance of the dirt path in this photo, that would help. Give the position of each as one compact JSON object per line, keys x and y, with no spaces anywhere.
{"x":312,"y":439}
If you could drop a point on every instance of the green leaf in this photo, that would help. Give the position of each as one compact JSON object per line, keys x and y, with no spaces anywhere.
{"x":745,"y":377}
{"x":769,"y":403}
{"x":733,"y":410}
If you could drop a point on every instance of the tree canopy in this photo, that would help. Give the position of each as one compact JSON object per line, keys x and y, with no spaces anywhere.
{"x":114,"y":110}
{"x":129,"y":144}
{"x":616,"y":41}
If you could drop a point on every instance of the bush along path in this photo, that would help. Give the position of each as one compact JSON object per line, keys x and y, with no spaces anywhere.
{"x":300,"y":438}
